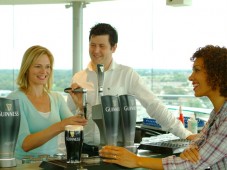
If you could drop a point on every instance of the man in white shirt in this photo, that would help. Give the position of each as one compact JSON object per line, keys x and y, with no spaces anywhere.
{"x":118,"y":80}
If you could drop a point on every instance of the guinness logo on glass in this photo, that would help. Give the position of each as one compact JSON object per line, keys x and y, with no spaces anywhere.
{"x":9,"y":106}
{"x":9,"y":112}
{"x":71,"y":134}
{"x":132,"y":105}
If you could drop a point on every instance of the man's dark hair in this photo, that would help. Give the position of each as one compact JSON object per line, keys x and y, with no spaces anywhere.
{"x":105,"y":29}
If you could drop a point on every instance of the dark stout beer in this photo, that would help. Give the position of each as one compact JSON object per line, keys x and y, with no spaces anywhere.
{"x":73,"y":142}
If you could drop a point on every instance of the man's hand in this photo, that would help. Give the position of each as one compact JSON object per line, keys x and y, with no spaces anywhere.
{"x":77,"y":97}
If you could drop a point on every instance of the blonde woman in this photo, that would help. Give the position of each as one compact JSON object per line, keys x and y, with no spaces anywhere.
{"x":44,"y":113}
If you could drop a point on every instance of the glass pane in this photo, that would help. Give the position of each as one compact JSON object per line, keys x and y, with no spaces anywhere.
{"x":155,"y":39}
{"x":158,"y":40}
{"x":23,"y":26}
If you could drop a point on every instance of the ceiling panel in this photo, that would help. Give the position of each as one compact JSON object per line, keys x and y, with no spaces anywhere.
{"x":18,"y":2}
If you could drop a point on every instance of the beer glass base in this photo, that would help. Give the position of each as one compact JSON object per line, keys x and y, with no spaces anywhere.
{"x":77,"y":162}
{"x":81,"y":168}
{"x":6,"y":163}
{"x":72,"y":162}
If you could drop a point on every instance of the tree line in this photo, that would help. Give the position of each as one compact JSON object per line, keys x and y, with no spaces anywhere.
{"x":62,"y":78}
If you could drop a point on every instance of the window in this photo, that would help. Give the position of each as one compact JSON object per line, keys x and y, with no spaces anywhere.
{"x":155,"y":39}
{"x":25,"y":25}
{"x":158,"y":40}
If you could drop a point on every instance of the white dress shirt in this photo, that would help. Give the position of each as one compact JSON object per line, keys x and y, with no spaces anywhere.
{"x":122,"y":80}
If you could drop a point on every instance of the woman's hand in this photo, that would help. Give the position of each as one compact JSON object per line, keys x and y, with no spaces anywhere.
{"x":192,"y":137}
{"x":37,"y":139}
{"x":191,"y":154}
{"x":119,"y":155}
{"x":73,"y":120}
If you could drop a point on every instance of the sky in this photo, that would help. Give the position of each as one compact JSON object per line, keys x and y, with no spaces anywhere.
{"x":151,"y":34}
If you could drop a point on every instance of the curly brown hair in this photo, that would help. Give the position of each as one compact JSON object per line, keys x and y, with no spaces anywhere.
{"x":215,"y":63}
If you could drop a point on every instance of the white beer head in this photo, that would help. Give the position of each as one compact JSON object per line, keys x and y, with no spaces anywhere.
{"x":74,"y":128}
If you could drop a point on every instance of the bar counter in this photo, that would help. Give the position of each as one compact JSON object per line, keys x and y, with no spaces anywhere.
{"x":33,"y":166}
{"x":171,"y":144}
{"x":61,"y":165}
{"x":36,"y":166}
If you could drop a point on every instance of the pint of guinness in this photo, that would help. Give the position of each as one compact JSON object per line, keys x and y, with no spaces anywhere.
{"x":73,"y":142}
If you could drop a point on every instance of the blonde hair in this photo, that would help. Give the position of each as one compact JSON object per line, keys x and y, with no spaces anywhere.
{"x":30,"y":55}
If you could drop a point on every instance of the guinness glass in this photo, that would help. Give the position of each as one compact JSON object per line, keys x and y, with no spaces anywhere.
{"x":9,"y":130}
{"x":73,"y":142}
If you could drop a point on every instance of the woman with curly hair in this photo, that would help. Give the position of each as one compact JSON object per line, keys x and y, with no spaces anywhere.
{"x":209,"y":78}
